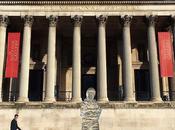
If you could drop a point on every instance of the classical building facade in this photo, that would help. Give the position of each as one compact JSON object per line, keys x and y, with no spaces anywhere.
{"x":68,"y":46}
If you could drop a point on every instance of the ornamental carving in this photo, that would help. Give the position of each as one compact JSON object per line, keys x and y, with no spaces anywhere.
{"x":28,"y":20}
{"x":77,"y":20}
{"x":3,"y":20}
{"x":126,"y":20}
{"x":102,"y":19}
{"x":84,"y":2}
{"x":152,"y":19}
{"x":53,"y":20}
{"x":91,"y":9}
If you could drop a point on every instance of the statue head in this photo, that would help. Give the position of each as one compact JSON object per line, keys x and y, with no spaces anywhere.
{"x":90,"y":93}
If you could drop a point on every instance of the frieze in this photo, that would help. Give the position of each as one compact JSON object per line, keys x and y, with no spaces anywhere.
{"x":97,"y":8}
{"x":74,"y":8}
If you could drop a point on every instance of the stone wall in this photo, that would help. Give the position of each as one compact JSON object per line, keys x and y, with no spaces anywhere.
{"x":69,"y":118}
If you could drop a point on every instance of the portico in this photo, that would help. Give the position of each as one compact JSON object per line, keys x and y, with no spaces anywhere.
{"x":107,"y":51}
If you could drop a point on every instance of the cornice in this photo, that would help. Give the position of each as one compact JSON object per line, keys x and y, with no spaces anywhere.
{"x":85,"y":2}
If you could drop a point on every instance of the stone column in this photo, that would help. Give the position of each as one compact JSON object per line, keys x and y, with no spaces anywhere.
{"x":101,"y":60}
{"x":3,"y":26}
{"x":76,"y":62}
{"x":50,"y":75}
{"x":127,"y":61}
{"x":165,"y":89}
{"x":153,"y":60}
{"x":172,"y":79}
{"x":25,"y":60}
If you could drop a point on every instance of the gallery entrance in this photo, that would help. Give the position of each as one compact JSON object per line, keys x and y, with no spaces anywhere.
{"x":142,"y":85}
{"x":88,"y":80}
{"x":35,"y":85}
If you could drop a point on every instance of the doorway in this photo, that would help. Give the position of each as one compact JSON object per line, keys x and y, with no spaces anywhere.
{"x":142,"y":84}
{"x":35,"y":85}
{"x":88,"y":80}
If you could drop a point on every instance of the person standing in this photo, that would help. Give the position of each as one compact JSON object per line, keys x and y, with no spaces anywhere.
{"x":14,"y":124}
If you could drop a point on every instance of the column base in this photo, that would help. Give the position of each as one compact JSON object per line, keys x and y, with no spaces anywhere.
{"x":23,"y":99}
{"x":156,"y":100}
{"x":76,"y":100}
{"x":49,"y":100}
{"x":130,"y":100}
{"x":103,"y":100}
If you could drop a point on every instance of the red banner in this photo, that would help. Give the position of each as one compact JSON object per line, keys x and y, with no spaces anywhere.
{"x":12,"y":61}
{"x":165,"y":54}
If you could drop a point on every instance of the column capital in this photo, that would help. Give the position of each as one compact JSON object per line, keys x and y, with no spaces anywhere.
{"x":53,"y":20}
{"x":102,"y":19}
{"x":152,"y":19}
{"x":3,"y":20}
{"x":77,"y":19}
{"x":28,"y":20}
{"x":126,"y":20}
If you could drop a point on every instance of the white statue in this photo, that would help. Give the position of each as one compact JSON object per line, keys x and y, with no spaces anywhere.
{"x":90,"y":111}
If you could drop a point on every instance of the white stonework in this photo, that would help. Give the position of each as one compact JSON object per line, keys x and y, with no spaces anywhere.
{"x":110,"y":119}
{"x":87,"y":10}
{"x":66,"y":115}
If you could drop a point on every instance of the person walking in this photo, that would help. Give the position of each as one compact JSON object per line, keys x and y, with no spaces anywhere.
{"x":14,"y":124}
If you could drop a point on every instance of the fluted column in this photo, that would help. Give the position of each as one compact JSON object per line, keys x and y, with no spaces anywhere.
{"x":127,"y":60}
{"x":101,"y":60}
{"x":25,"y":60}
{"x":76,"y":62}
{"x":3,"y":26}
{"x":50,"y":75}
{"x":153,"y":60}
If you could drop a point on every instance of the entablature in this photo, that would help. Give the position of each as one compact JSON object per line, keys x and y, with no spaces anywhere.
{"x":87,"y":8}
